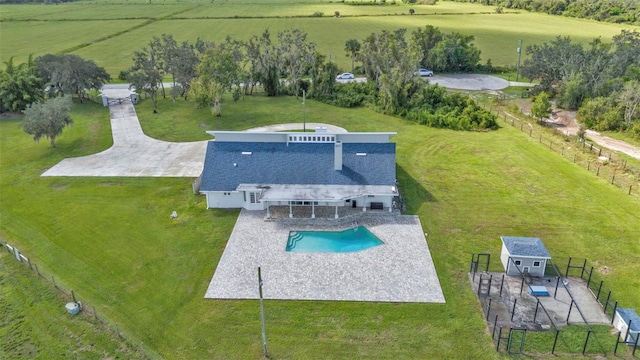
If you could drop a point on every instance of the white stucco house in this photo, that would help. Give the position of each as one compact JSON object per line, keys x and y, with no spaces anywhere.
{"x":524,"y":255}
{"x":256,"y":170}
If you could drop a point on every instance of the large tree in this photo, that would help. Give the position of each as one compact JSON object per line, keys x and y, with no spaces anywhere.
{"x":146,"y":73}
{"x":629,"y":98}
{"x":554,"y":62}
{"x":218,"y":72}
{"x":70,"y":74}
{"x":391,"y":61}
{"x":297,"y":55}
{"x":178,"y":61}
{"x":352,"y":47}
{"x":48,"y":119}
{"x":265,"y":63}
{"x":427,"y":39}
{"x":20,"y":86}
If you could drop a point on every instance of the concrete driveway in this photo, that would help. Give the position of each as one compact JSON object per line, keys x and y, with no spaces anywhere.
{"x":134,"y":154}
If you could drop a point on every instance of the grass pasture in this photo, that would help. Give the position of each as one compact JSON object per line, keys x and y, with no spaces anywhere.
{"x":111,"y":239}
{"x":109,"y":33}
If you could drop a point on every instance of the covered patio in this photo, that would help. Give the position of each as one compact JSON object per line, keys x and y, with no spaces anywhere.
{"x":360,"y":197}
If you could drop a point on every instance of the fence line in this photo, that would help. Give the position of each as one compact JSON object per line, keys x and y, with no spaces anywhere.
{"x":602,"y":162}
{"x":70,"y":294}
{"x":498,"y":327}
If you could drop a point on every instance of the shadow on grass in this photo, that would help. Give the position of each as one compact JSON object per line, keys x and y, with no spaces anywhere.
{"x":413,"y":192}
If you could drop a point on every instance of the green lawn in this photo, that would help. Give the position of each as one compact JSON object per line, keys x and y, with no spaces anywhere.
{"x":35,"y":323}
{"x":110,"y":33}
{"x":112,"y":241}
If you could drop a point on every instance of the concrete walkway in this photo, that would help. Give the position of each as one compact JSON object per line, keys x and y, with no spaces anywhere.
{"x":134,"y":154}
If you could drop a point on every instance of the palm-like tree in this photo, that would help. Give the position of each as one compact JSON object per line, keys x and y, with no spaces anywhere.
{"x":352,"y":47}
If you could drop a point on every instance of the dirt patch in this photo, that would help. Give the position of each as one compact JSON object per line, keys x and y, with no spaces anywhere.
{"x":565,"y":122}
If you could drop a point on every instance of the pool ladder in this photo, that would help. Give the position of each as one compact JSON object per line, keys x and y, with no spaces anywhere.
{"x":291,"y":243}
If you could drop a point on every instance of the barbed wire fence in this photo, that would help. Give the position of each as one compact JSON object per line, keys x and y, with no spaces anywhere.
{"x":85,"y":308}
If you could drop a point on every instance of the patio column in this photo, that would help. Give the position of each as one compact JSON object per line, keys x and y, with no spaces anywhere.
{"x":336,"y":212}
{"x":313,"y":210}
{"x":268,"y":213}
{"x":290,"y":210}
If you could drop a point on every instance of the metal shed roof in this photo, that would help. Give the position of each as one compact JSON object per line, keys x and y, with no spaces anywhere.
{"x":525,"y":247}
{"x":630,"y":315}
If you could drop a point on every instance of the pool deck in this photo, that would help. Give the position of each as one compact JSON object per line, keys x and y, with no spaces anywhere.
{"x":401,"y":270}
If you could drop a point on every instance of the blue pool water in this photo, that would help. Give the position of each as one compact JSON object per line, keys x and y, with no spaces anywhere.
{"x":349,"y":240}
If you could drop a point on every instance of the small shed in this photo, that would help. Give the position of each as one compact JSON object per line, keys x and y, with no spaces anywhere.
{"x":628,"y":323}
{"x":523,"y":255}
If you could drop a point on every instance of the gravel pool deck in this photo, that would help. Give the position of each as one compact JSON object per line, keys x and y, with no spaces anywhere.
{"x":400,"y":270}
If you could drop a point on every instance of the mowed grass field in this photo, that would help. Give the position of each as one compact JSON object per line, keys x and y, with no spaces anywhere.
{"x":112,"y":241}
{"x":109,"y":33}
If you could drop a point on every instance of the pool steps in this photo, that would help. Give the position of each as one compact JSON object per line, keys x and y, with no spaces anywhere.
{"x":293,"y":239}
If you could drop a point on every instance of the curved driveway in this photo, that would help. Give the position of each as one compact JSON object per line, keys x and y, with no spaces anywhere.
{"x":470,"y":82}
{"x":135,"y":154}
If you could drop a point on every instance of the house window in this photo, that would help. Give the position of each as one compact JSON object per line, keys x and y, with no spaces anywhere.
{"x":253,"y":198}
{"x":518,"y":262}
{"x":536,"y":264}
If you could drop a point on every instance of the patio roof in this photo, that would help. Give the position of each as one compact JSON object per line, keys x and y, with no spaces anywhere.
{"x":311,"y":192}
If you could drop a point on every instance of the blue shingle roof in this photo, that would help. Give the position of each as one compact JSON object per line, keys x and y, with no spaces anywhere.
{"x":524,"y":246}
{"x":630,"y":315}
{"x":226,"y":167}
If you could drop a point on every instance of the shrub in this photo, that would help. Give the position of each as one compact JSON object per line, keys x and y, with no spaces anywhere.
{"x":123,"y":74}
{"x":318,"y":14}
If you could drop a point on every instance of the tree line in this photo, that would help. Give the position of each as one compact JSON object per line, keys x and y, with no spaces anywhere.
{"x":42,"y":89}
{"x":615,"y":11}
{"x":284,"y":64}
{"x":289,"y":64}
{"x":601,"y":81}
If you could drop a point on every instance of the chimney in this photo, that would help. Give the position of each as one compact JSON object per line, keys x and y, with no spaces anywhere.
{"x":337,"y":162}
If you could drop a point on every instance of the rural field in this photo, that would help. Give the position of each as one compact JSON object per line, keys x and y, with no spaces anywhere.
{"x":109,"y":32}
{"x":111,"y":239}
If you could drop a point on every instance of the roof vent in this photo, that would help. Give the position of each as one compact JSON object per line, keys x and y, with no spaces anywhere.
{"x":361,"y":154}
{"x":246,"y":153}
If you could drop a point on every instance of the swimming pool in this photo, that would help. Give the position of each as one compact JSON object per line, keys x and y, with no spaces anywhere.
{"x":349,"y":240}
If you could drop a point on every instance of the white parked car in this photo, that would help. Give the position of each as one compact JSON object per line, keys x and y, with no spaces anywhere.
{"x":424,"y":73}
{"x":345,"y":76}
